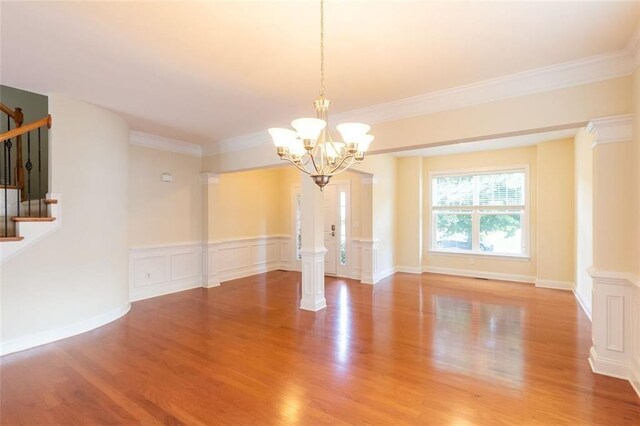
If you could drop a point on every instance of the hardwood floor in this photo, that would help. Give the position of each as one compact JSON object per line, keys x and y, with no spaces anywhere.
{"x":426,"y":349}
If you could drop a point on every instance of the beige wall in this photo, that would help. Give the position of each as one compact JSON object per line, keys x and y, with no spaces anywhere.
{"x":76,"y":277}
{"x":509,"y":157}
{"x":555,"y":222}
{"x":249,"y":205}
{"x":162,"y":213}
{"x":636,"y":91}
{"x":614,"y":198}
{"x":583,"y":227}
{"x":382,"y":193}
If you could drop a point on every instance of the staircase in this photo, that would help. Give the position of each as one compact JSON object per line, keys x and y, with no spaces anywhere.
{"x":22,"y":204}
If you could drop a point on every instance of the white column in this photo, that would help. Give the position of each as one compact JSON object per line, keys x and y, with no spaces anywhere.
{"x":614,"y":190}
{"x":313,"y":250}
{"x":368,"y":246}
{"x":210,"y":186}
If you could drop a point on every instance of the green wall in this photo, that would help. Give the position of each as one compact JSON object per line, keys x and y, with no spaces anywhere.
{"x":34,"y":107}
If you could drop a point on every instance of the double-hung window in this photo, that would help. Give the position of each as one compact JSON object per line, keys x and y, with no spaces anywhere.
{"x":482,"y":212}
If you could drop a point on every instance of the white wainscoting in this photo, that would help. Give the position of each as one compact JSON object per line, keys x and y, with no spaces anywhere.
{"x":616,"y":325}
{"x":232,"y":259}
{"x":158,"y":270}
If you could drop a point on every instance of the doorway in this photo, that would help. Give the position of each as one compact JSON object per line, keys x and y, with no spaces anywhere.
{"x":337,"y":228}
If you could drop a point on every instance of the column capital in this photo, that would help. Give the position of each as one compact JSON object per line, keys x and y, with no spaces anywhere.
{"x":613,"y":129}
{"x":209,"y":177}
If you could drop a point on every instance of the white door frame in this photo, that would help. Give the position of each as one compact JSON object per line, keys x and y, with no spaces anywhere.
{"x":343,"y":271}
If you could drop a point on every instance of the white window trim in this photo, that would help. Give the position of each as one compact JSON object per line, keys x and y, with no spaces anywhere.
{"x":476,"y":253}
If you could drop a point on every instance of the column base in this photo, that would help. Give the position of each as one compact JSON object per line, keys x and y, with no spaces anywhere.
{"x":313,"y":279}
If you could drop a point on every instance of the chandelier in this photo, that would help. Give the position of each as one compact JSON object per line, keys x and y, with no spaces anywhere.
{"x":310,"y":146}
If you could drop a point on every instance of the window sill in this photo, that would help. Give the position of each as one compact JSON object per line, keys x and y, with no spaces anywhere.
{"x":486,"y":255}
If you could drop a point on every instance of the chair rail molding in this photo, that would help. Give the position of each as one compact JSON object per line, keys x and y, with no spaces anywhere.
{"x":615,"y":332}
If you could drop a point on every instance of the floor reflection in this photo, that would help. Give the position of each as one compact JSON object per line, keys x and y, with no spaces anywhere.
{"x":343,"y":337}
{"x":479,"y":339}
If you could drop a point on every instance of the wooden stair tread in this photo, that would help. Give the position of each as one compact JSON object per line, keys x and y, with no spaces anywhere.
{"x":9,"y":239}
{"x":2,"y":186}
{"x":32,"y":219}
{"x":51,"y":201}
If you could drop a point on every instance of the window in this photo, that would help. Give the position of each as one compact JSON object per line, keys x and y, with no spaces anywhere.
{"x":480,"y":212}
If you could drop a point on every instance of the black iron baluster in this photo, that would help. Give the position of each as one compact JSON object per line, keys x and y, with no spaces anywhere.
{"x":6,"y":183}
{"x":39,"y":177}
{"x":6,"y":192}
{"x":28,"y":166}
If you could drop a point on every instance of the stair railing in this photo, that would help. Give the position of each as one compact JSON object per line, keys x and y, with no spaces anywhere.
{"x":12,"y":170}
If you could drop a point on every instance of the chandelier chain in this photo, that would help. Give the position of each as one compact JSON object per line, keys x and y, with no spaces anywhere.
{"x":322,"y":88}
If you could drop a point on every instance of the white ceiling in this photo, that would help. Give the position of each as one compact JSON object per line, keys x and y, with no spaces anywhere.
{"x":205,"y":71}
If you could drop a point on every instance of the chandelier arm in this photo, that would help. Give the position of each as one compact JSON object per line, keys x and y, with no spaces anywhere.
{"x":315,"y":166}
{"x":299,"y":167}
{"x":341,"y":163}
{"x":351,"y":162}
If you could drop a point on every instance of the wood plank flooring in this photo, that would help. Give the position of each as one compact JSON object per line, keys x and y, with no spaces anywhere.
{"x":426,"y":349}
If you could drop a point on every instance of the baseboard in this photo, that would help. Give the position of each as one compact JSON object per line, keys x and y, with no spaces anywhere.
{"x":480,"y":274}
{"x":384,"y":274}
{"x":557,"y":285}
{"x":582,"y":304}
{"x":608,"y":367}
{"x":142,"y":293}
{"x":635,"y":375}
{"x":409,"y":269}
{"x":44,"y":337}
{"x":234,"y":274}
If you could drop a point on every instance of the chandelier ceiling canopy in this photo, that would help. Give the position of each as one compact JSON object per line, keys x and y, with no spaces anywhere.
{"x":310,"y":146}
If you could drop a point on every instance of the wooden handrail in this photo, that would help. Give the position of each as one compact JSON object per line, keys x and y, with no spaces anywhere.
{"x":7,"y":110}
{"x":26,"y":128}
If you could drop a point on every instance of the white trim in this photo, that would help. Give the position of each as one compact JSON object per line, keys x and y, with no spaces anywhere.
{"x":32,"y":232}
{"x":208,"y":178}
{"x":410,"y":269}
{"x":480,"y":274}
{"x":568,"y":74}
{"x":384,"y":274}
{"x":483,"y":255}
{"x":369,"y":180}
{"x":608,"y":367}
{"x":164,"y":144}
{"x":613,"y":129}
{"x":473,"y":211}
{"x":558,"y":285}
{"x":614,"y":277}
{"x":582,"y":304}
{"x":159,"y":270}
{"x":48,"y":336}
{"x":163,"y":246}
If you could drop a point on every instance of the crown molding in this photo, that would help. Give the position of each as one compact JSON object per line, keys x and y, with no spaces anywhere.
{"x":239,"y":143}
{"x":164,"y":144}
{"x":633,"y":49}
{"x":614,"y":129}
{"x":568,"y":74}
